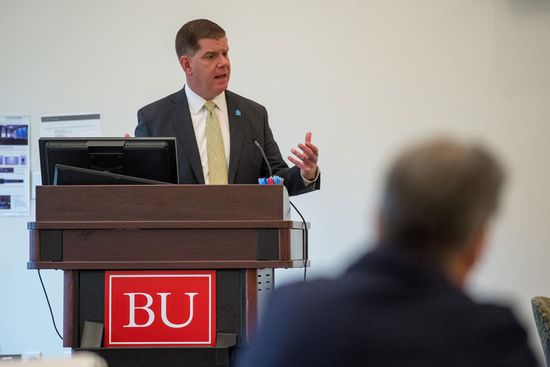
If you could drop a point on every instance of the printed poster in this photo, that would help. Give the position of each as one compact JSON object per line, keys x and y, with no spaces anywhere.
{"x":77,"y":125}
{"x":14,"y":166}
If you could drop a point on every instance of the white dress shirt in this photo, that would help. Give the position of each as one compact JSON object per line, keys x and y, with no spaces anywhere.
{"x":198,"y":116}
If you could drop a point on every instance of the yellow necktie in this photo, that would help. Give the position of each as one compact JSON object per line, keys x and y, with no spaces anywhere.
{"x":217,"y":165}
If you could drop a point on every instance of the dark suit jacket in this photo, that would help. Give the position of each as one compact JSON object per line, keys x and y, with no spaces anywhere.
{"x":170,"y":117}
{"x":389,"y":309}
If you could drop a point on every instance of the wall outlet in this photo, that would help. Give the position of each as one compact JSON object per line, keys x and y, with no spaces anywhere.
{"x":32,"y":356}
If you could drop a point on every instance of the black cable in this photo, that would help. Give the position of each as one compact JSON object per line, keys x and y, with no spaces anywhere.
{"x":305,"y":237}
{"x":304,"y":240}
{"x":49,"y":305}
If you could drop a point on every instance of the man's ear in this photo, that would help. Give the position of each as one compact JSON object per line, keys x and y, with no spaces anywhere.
{"x":476,"y":246}
{"x":461,"y":261}
{"x":378,"y":226}
{"x":185,"y":62}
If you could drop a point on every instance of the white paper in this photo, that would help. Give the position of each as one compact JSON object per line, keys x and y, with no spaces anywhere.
{"x":14,"y":165}
{"x":77,"y":125}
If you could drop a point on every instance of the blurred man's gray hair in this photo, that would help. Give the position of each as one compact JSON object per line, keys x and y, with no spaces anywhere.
{"x":438,"y":194}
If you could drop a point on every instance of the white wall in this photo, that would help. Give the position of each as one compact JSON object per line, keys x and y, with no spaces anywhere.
{"x":366,"y":76}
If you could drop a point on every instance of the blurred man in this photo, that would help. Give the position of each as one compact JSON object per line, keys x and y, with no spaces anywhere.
{"x":402,"y":304}
{"x":218,"y":131}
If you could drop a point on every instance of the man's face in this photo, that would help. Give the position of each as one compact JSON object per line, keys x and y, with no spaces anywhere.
{"x":208,"y":70}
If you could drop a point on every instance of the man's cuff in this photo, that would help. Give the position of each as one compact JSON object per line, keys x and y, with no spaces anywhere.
{"x":311,"y":182}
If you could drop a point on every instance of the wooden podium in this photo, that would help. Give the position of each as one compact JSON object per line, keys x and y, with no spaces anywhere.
{"x":241,"y":231}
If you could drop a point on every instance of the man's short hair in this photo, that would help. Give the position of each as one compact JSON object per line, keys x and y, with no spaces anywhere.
{"x":189,"y":35}
{"x":438,"y":195}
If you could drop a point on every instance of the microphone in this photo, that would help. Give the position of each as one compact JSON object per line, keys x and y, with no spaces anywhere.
{"x":305,"y":237}
{"x":257,"y":143}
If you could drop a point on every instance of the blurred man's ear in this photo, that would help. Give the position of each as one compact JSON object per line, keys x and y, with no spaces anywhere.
{"x":462,"y":261}
{"x":378,"y":226}
{"x":476,"y":246}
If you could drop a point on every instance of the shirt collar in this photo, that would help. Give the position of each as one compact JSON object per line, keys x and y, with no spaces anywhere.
{"x":196,"y":102}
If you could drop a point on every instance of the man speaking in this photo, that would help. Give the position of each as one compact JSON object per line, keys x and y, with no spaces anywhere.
{"x":221,"y":136}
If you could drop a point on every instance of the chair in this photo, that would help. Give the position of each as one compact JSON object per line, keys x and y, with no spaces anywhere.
{"x":541,"y":311}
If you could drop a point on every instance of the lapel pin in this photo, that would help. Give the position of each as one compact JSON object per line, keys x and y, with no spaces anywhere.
{"x":238,"y":113}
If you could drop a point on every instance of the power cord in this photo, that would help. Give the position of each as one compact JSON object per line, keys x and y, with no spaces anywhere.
{"x":49,"y":305}
{"x":304,"y":240}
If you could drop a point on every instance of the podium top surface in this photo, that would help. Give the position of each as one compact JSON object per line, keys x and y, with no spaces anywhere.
{"x":162,"y":203}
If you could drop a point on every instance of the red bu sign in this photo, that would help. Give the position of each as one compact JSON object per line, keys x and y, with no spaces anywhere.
{"x":160,"y":308}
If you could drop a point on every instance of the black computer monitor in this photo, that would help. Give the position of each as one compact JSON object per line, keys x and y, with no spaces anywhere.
{"x":116,"y":160}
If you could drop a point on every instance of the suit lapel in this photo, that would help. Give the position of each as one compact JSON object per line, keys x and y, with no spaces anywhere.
{"x":181,"y":118}
{"x":236,"y":132}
